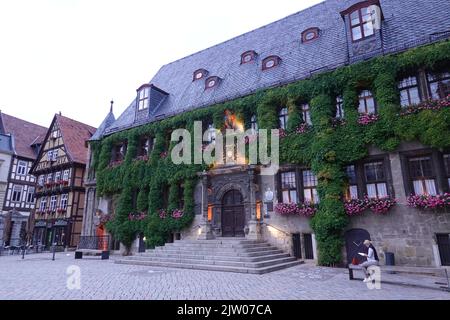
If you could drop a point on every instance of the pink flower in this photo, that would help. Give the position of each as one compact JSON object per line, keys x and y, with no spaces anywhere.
{"x":177,"y":214}
{"x":367,"y":118}
{"x":429,"y":201}
{"x":427,"y":105}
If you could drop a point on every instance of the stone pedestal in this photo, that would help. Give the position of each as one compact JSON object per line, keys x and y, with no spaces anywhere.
{"x":254,"y":230}
{"x":206,"y":232}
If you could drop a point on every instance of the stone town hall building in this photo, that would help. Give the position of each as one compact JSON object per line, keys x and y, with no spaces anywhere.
{"x":333,"y":36}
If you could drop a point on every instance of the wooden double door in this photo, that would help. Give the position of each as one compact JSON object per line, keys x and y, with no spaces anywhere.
{"x":233,"y":214}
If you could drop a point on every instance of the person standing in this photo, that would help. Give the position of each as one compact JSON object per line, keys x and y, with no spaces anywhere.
{"x":372,"y":260}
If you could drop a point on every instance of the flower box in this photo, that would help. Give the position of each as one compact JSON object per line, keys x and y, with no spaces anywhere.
{"x":142,"y":158}
{"x":427,"y":105}
{"x":162,"y":213}
{"x":303,"y":128}
{"x":114,"y":164}
{"x":302,"y":209}
{"x":429,"y":201}
{"x":356,"y":207}
{"x":137,"y":216}
{"x":366,"y":119}
{"x":177,"y":214}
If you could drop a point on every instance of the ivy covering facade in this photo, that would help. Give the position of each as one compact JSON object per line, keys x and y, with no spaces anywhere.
{"x":326,"y":147}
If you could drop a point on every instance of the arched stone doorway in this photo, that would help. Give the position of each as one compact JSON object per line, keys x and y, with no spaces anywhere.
{"x":233,"y":214}
{"x":354,"y":239}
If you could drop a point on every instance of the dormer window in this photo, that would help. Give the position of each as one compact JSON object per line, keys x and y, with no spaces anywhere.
{"x":271,"y":62}
{"x":211,"y":82}
{"x":248,"y":56}
{"x":143,"y":97}
{"x":310,"y":34}
{"x":362,"y":23}
{"x":199,"y":74}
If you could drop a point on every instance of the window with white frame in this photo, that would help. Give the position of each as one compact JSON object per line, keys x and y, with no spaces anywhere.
{"x":54,"y":155}
{"x":143,"y":98}
{"x":254,"y":123}
{"x":58,"y":176}
{"x":50,"y":155}
{"x":43,"y":204}
{"x":283,"y":118}
{"x":306,"y":114}
{"x":310,"y":187}
{"x":53,"y":203}
{"x":66,"y":174}
{"x":367,"y":104}
{"x":211,"y":134}
{"x":375,"y":179}
{"x":64,"y":200}
{"x":17,"y":193}
{"x":362,"y":23}
{"x":22,"y":168}
{"x":30,"y":195}
{"x":339,"y":108}
{"x":49,"y":178}
{"x":422,"y":175}
{"x":41,"y":180}
{"x":409,"y":92}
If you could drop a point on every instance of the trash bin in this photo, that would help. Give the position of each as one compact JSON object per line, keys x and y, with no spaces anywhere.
{"x":390,"y":258}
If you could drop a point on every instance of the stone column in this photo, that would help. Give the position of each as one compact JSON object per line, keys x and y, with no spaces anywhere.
{"x":205,"y":225}
{"x":254,"y":226}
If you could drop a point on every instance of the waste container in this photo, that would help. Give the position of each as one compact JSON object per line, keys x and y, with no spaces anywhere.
{"x":297,"y":247}
{"x":390,"y":258}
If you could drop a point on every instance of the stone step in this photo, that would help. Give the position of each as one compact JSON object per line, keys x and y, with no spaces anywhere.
{"x":222,"y":268}
{"x":217,"y":245}
{"x":259,"y":264}
{"x":222,"y":240}
{"x":217,"y":257}
{"x":218,"y":251}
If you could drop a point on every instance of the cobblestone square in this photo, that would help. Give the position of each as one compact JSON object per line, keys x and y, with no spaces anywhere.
{"x":37,"y":277}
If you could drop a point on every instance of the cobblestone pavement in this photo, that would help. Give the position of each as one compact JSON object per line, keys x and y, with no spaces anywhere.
{"x":38,"y":277}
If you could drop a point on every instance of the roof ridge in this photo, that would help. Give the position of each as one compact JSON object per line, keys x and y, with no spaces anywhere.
{"x":29,"y":122}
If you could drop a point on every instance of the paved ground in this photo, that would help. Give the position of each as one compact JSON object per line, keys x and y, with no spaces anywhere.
{"x":37,"y":277}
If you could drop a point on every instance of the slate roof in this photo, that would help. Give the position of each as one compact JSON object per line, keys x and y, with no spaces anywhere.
{"x":24,"y":135}
{"x":407,"y":23}
{"x":75,"y":134}
{"x":109,"y":120}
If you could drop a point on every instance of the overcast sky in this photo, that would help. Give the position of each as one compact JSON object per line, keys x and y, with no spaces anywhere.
{"x":74,"y":56}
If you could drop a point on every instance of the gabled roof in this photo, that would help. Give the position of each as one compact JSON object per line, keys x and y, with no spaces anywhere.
{"x":75,"y":134}
{"x":408,"y":23}
{"x":25,"y":134}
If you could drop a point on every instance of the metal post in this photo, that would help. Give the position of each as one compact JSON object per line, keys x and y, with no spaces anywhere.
{"x":54,"y":250}
{"x":23,"y":252}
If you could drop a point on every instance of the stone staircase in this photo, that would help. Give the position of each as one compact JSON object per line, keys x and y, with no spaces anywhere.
{"x":221,"y":254}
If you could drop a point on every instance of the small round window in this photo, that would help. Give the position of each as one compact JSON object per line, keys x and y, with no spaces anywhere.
{"x":211,"y":83}
{"x":270,"y":62}
{"x":247,"y":58}
{"x":198,"y":75}
{"x":310,"y":34}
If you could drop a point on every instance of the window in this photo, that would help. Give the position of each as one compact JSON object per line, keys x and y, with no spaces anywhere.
{"x":66,"y":175}
{"x":17,"y":193}
{"x":54,"y":155}
{"x":50,"y":155}
{"x":248,"y":56}
{"x":181,"y":196}
{"x":199,"y":74}
{"x":30,"y":195}
{"x":339,"y":108}
{"x":310,"y":34}
{"x":409,"y":92}
{"x":270,"y":62}
{"x":58,"y":176}
{"x":283,"y":118}
{"x":306,"y":115}
{"x":211,"y":82}
{"x":367,"y":103}
{"x":53,"y":202}
{"x":289,"y":187}
{"x":422,"y":175}
{"x":361,"y":23}
{"x":43,"y":204}
{"x":63,"y":201}
{"x":352,"y":189}
{"x":41,"y":180}
{"x":120,"y":152}
{"x":151,"y":143}
{"x":49,"y":178}
{"x":211,"y":133}
{"x":447,"y":167}
{"x":310,"y":187}
{"x":439,"y":85}
{"x":22,"y":168}
{"x":375,"y":179}
{"x":254,"y":123}
{"x":143,"y":98}
{"x":144,"y":146}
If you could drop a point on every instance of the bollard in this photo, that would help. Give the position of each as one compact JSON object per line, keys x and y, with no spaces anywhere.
{"x":23,"y":252}
{"x":54,"y":251}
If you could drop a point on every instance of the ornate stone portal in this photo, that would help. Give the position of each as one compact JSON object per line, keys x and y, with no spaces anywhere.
{"x":217,"y":185}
